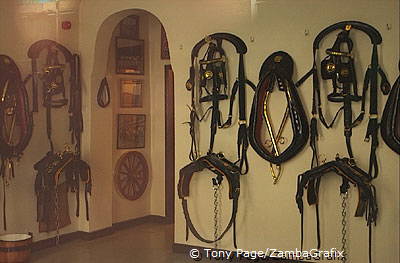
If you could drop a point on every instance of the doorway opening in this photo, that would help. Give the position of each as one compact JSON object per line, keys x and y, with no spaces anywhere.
{"x":140,"y":77}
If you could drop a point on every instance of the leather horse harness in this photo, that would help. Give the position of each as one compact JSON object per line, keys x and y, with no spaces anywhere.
{"x":345,"y":168}
{"x":277,"y":70}
{"x":222,"y":167}
{"x":390,"y":122}
{"x":213,"y":82}
{"x":339,"y":67}
{"x":16,"y":122}
{"x":53,"y":165}
{"x":212,"y":72}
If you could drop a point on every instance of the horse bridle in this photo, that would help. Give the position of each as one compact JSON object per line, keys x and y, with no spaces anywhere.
{"x":277,"y":70}
{"x":212,"y":69}
{"x":334,"y":68}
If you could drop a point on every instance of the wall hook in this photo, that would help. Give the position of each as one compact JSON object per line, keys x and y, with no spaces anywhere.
{"x":306,"y":32}
{"x":389,"y":26}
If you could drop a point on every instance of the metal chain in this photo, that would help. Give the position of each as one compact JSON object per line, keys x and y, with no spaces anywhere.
{"x":216,"y":213}
{"x":344,"y":226}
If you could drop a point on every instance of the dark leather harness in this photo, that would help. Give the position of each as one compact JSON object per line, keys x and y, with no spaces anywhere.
{"x":213,"y":70}
{"x":344,"y":167}
{"x":223,"y":168}
{"x":212,"y":73}
{"x":277,"y":70}
{"x":338,"y":66}
{"x":52,"y":78}
{"x":16,"y":122}
{"x":390,"y":122}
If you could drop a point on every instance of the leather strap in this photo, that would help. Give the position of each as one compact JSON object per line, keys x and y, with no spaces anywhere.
{"x":194,"y":231}
{"x":103,"y":94}
{"x":222,"y":168}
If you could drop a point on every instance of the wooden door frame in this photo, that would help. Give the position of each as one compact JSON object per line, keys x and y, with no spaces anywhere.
{"x":169,"y":145}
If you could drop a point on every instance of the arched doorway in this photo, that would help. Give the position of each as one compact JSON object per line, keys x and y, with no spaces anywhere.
{"x":138,"y":92}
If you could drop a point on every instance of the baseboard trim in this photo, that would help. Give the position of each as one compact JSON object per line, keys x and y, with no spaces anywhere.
{"x":185,"y":249}
{"x":139,"y":221}
{"x":64,"y":238}
{"x":51,"y":242}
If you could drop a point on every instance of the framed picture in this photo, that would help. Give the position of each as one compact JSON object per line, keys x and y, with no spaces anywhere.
{"x":164,"y":44}
{"x":129,"y":56}
{"x":131,"y":93}
{"x":131,"y":131}
{"x":129,"y":27}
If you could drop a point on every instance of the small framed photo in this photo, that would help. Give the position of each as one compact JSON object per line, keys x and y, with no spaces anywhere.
{"x":129,"y":27}
{"x":164,"y":44}
{"x":129,"y":56}
{"x":131,"y":131}
{"x":131,"y":93}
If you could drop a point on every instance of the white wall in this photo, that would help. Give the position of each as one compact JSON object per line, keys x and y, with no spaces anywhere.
{"x":122,"y":208}
{"x":21,"y":29}
{"x":268,"y":215}
{"x":152,"y":201}
{"x":157,"y":96}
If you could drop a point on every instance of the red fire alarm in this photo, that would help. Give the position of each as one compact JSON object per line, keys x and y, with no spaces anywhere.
{"x":66,"y":25}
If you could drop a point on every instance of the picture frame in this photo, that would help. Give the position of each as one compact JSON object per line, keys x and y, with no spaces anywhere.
{"x":129,"y":27}
{"x":164,"y":44}
{"x":129,"y":56}
{"x":131,"y":131}
{"x":131,"y":93}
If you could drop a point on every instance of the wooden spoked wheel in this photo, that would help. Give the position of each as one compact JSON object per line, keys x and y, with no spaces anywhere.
{"x":131,"y":175}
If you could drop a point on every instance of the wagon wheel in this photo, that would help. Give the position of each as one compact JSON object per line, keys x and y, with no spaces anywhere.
{"x":131,"y":175}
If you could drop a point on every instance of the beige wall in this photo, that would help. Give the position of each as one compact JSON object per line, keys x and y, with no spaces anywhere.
{"x":152,"y":201}
{"x":20,"y":28}
{"x":268,"y":215}
{"x":122,"y":208}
